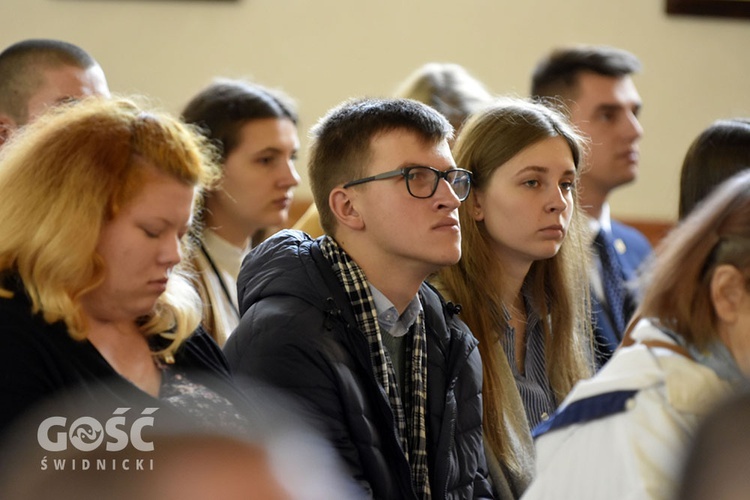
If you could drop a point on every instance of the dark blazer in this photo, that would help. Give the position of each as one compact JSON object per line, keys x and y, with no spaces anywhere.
{"x":632,"y":249}
{"x":298,"y":332}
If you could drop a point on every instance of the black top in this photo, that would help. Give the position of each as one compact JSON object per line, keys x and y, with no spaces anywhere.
{"x":39,"y":361}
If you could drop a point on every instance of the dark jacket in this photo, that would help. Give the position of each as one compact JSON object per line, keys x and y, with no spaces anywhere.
{"x":298,"y":332}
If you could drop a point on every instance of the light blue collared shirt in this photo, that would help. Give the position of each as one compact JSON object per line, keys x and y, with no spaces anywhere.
{"x":393,"y":330}
{"x":388,"y":318}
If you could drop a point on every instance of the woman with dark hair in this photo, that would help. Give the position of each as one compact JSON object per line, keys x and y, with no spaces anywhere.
{"x":719,"y":152}
{"x":255,"y":131}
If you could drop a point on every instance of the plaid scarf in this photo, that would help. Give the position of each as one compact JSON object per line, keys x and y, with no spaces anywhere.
{"x":412,"y":430}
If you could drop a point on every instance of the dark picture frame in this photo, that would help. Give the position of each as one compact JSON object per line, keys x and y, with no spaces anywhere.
{"x":722,"y":8}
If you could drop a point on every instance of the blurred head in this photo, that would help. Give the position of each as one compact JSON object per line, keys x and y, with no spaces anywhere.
{"x":716,"y":465}
{"x":594,"y":84}
{"x":85,"y":174}
{"x":342,"y":143}
{"x":275,"y":454}
{"x":37,"y":74}
{"x":719,"y":152}
{"x":697,"y":285}
{"x":448,"y":88}
{"x":255,"y":130}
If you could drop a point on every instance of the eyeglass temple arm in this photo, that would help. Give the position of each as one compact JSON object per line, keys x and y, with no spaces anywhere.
{"x":384,"y":175}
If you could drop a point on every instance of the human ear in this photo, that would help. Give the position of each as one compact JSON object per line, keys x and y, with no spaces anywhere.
{"x":476,"y":207}
{"x":7,"y":126}
{"x":727,"y":291}
{"x":342,"y":205}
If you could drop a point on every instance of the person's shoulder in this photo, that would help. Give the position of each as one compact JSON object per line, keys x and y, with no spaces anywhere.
{"x":280,"y":251}
{"x":290,"y":241}
{"x":280,"y":320}
{"x":22,"y":328}
{"x":691,"y":387}
{"x":610,"y":392}
{"x":280,"y":265}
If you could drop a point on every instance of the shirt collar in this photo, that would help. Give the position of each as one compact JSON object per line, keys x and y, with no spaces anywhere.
{"x":226,"y":256}
{"x":603,"y":222}
{"x":388,"y":317}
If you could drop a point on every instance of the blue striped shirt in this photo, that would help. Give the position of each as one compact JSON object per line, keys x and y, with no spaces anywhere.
{"x":533,"y":386}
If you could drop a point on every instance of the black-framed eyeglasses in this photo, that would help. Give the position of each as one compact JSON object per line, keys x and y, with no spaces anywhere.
{"x":422,"y":182}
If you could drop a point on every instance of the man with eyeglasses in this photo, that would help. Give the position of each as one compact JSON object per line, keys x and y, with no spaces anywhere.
{"x":346,"y":323}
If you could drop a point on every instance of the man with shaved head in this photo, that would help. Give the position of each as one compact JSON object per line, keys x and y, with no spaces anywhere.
{"x":36,"y":74}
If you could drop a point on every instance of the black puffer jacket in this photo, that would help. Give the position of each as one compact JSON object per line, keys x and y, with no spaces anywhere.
{"x":298,"y":332}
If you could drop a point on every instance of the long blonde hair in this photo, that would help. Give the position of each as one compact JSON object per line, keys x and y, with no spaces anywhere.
{"x":63,"y":177}
{"x":558,"y":286}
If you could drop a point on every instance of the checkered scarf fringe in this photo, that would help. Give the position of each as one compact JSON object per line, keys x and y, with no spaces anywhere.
{"x":412,"y":431}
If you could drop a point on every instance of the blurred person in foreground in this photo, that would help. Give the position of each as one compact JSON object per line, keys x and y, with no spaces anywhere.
{"x":716,"y":467}
{"x":166,"y":456}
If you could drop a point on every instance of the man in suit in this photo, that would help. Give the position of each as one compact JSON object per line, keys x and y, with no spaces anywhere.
{"x":595,"y":86}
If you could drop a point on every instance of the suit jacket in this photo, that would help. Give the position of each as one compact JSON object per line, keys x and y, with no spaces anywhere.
{"x":632,"y":249}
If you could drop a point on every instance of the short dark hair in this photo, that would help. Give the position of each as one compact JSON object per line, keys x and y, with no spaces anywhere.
{"x":19,"y":70}
{"x":719,"y":152}
{"x":221,"y":109}
{"x":340,"y":142}
{"x":556,"y":75}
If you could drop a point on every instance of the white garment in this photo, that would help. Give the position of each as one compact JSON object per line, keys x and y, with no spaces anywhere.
{"x":636,"y":451}
{"x":227,"y":258}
